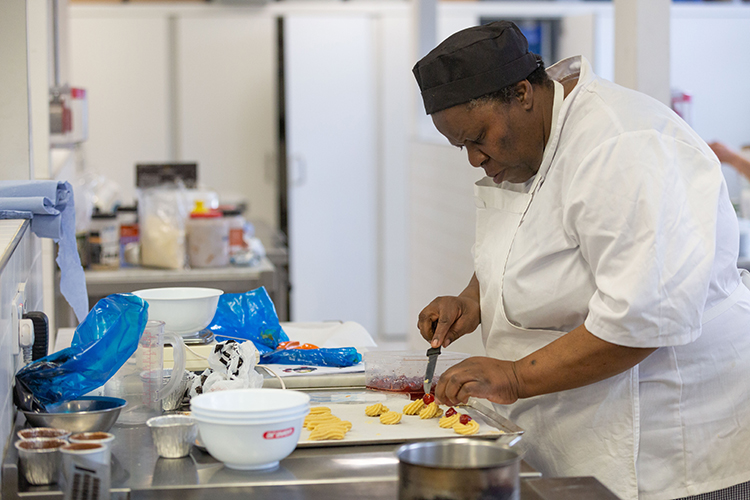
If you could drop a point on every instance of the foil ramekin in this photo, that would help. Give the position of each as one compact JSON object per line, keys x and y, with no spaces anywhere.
{"x":40,"y":459}
{"x":43,"y":432}
{"x":173,"y":435}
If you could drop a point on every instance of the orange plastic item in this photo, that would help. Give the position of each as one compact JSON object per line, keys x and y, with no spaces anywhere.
{"x":293,"y":344}
{"x":289,"y":344}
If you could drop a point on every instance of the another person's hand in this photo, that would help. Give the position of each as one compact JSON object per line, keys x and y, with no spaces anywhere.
{"x":487,"y":378}
{"x":446,"y":319}
{"x":723,"y":152}
{"x":731,"y":157}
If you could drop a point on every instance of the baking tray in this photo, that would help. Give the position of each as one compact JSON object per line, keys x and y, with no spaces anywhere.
{"x":314,"y":382}
{"x":350,"y":405}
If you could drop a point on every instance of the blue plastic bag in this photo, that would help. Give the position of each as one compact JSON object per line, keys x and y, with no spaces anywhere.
{"x":252,"y":316}
{"x":248,"y":316}
{"x":106,"y":338}
{"x":323,"y":356}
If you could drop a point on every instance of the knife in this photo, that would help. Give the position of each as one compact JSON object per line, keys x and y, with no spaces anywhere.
{"x":432,"y":356}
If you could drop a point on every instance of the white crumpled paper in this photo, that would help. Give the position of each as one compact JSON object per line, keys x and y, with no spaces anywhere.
{"x":231,"y":365}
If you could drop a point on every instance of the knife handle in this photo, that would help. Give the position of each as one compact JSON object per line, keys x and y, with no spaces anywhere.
{"x":432,"y":351}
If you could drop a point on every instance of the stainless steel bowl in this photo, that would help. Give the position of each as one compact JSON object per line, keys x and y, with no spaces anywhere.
{"x":88,"y":414}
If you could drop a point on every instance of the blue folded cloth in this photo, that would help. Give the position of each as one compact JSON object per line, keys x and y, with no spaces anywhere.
{"x":49,"y":205}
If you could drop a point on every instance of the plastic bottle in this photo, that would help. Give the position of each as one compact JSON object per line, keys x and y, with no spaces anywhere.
{"x":237,"y":243}
{"x":104,"y":242}
{"x":208,"y":237}
{"x":129,"y":236}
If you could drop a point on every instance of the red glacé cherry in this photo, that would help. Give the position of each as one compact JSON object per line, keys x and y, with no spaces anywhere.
{"x":464,"y":419}
{"x":428,"y":398}
{"x":450,"y":412}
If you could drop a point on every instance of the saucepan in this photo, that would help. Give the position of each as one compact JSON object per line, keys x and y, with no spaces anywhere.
{"x":460,"y":469}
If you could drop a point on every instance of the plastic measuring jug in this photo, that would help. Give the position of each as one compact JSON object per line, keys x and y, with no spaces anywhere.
{"x":140,"y":381}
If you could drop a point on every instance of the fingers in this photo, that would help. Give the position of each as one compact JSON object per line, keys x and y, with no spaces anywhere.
{"x":425,"y":323}
{"x":442,"y":328}
{"x":435,"y":320}
{"x":450,"y":389}
{"x":446,"y":319}
{"x":479,"y":377}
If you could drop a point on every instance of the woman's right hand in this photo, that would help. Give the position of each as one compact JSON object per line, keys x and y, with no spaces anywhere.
{"x":448,"y":318}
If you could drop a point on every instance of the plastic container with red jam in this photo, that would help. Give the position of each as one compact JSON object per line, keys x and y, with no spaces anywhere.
{"x":403,"y":371}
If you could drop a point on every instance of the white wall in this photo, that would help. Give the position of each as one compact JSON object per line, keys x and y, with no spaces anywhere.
{"x":181,"y":83}
{"x":120,"y":61}
{"x":442,"y":231}
{"x":710,"y":60}
{"x":15,"y":146}
{"x":226,"y":65}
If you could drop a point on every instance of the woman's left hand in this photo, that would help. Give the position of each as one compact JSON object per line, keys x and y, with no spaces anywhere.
{"x":486,"y":378}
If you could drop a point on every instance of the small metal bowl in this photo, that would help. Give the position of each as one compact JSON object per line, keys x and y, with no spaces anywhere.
{"x":173,"y":435}
{"x":88,"y":414}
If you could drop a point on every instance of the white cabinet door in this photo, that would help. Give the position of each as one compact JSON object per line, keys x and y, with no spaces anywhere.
{"x":226,"y":86}
{"x":332,"y":160}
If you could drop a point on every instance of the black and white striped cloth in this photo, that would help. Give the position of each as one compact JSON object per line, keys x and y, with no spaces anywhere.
{"x":737,"y":492}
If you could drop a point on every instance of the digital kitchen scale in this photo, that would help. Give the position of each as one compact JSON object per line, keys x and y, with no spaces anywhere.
{"x":201,"y":337}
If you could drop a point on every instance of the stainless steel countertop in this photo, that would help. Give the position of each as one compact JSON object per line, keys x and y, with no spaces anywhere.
{"x":311,"y":473}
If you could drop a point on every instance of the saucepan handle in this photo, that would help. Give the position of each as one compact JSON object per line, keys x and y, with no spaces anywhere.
{"x":508,"y":440}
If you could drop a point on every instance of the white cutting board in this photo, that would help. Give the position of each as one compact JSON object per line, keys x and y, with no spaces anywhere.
{"x":369,"y":430}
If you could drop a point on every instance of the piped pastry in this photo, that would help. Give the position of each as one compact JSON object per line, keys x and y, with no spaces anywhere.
{"x":432,"y":410}
{"x":376,"y":410}
{"x":471,"y":427}
{"x":414,"y":407}
{"x":390,"y":418}
{"x":448,"y":422}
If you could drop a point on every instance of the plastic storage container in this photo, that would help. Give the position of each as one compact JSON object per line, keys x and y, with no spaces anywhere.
{"x":207,"y":237}
{"x":403,"y":371}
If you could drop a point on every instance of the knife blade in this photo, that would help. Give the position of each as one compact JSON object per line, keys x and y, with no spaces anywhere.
{"x":432,"y":356}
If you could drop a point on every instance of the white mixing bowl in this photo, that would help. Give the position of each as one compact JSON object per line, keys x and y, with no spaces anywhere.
{"x":253,"y":421}
{"x":250,"y":429}
{"x":249,"y":402}
{"x":244,"y":417}
{"x":183,"y":310}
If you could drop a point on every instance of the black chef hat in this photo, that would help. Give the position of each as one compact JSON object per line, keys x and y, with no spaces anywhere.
{"x":473,"y":63}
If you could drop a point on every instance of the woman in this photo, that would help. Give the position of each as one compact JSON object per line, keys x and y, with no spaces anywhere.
{"x":616,"y":323}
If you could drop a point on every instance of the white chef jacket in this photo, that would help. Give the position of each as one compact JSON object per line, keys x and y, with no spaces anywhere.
{"x":631,"y":232}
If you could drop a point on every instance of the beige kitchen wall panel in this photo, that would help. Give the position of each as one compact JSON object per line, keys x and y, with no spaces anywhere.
{"x":122,"y":61}
{"x":226,"y":108}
